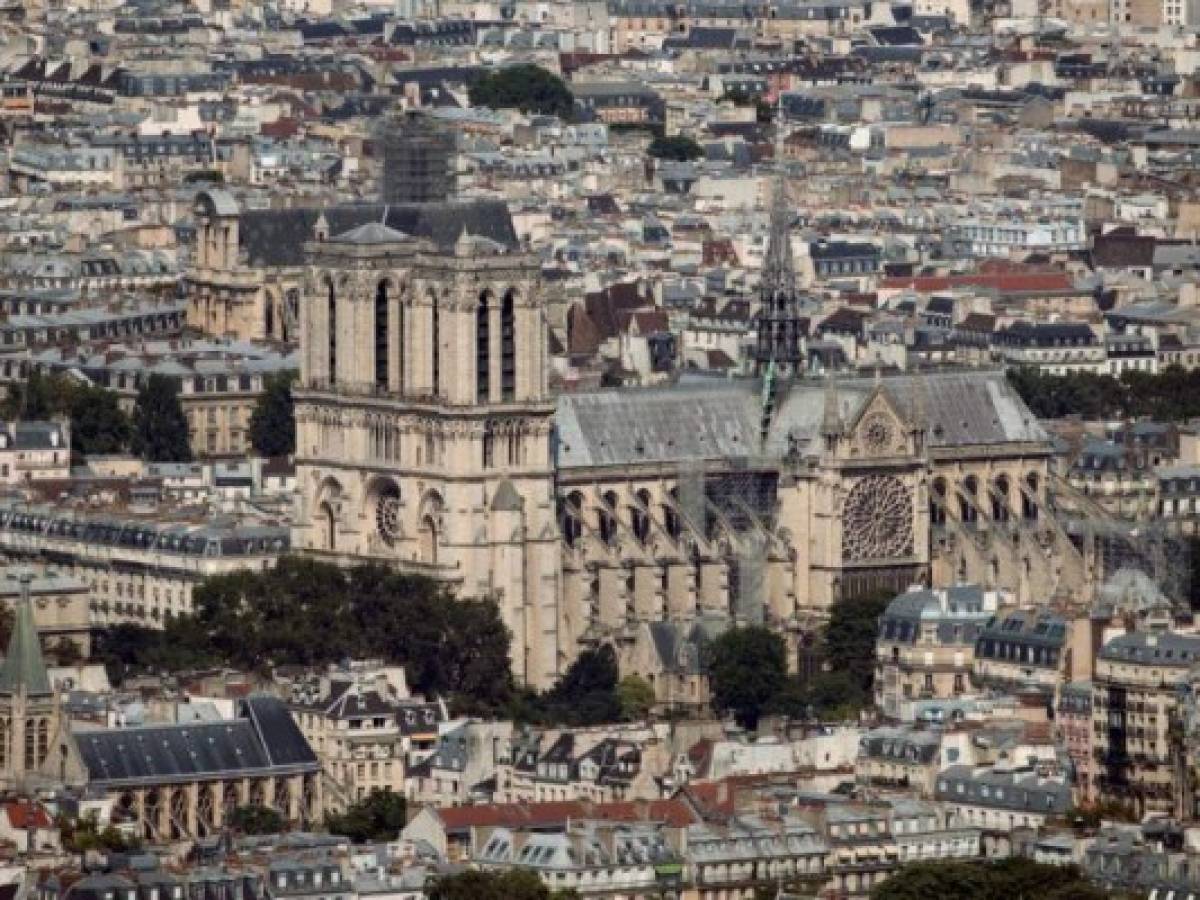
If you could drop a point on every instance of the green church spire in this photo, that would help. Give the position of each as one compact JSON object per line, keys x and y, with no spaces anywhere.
{"x":24,"y":666}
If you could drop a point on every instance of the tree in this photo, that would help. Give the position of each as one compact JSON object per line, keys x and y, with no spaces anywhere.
{"x":255,"y":819}
{"x":30,"y":400}
{"x":273,"y":422}
{"x":514,"y":884}
{"x":849,"y":641}
{"x":7,"y":617}
{"x":377,"y":817}
{"x":679,"y":148}
{"x":98,"y":424}
{"x":586,"y":694}
{"x":311,"y":613}
{"x":160,"y":429}
{"x":747,"y":668}
{"x":635,"y":696}
{"x":764,"y":112}
{"x":526,"y":87}
{"x":827,"y":695}
{"x":84,"y":834}
{"x":995,"y":880}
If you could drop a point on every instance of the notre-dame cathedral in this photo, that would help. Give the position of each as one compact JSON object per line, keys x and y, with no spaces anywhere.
{"x":427,"y":438}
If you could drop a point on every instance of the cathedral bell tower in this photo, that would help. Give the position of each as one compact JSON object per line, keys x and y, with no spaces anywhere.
{"x":423,"y":422}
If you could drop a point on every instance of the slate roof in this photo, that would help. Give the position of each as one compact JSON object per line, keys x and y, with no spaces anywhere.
{"x":1167,"y":649}
{"x":958,"y":612}
{"x":1003,"y":790}
{"x":711,"y":419}
{"x":276,"y":237}
{"x":264,"y":740}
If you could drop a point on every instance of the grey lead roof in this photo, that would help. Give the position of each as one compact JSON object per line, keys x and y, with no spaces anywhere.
{"x":708,"y":419}
{"x":682,"y":422}
{"x":276,"y":237}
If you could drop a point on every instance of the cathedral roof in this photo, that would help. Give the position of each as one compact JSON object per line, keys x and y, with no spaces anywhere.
{"x":715,"y":419}
{"x":24,"y":667}
{"x":276,"y":237}
{"x":712,"y":420}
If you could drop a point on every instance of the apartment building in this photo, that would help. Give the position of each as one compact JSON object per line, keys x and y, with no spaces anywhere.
{"x":926,"y":645}
{"x":138,"y":568}
{"x":363,"y":725}
{"x":1135,"y":695}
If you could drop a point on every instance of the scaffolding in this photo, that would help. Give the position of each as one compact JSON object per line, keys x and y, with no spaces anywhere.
{"x":1113,"y":545}
{"x":733,"y":514}
{"x":418,"y":160}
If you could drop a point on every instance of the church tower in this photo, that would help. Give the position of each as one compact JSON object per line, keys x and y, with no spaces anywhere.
{"x":779,"y":334}
{"x":31,"y":722}
{"x":423,"y":422}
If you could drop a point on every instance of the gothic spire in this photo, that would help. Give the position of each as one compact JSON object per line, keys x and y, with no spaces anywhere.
{"x":780,"y":327}
{"x":779,"y":268}
{"x":24,"y":669}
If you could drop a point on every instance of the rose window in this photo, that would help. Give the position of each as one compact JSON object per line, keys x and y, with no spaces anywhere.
{"x":387,"y":515}
{"x":877,"y":521}
{"x":878,"y":432}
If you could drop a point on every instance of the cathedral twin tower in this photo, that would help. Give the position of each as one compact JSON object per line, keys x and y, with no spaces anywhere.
{"x":423,"y":423}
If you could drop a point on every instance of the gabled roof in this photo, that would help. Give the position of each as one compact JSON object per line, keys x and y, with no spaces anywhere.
{"x":264,"y":740}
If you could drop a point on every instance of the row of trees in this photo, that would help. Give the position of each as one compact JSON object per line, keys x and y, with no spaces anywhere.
{"x":513,"y":884}
{"x":1169,"y":396}
{"x":678,"y":148}
{"x":376,"y":818}
{"x":748,"y":671}
{"x":532,"y":89}
{"x":1006,"y":879}
{"x":308,"y":612}
{"x":312,"y":613}
{"x":589,"y":692}
{"x":157,"y":430}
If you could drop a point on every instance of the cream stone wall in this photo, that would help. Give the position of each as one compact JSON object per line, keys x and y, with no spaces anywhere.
{"x":425,"y":440}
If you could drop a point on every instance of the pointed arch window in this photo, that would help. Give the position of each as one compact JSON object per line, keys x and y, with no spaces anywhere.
{"x":332,"y":307}
{"x":381,"y":336}
{"x":508,"y":349}
{"x":483,"y":350}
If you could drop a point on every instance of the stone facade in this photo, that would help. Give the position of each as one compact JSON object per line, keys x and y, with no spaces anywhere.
{"x":426,"y":439}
